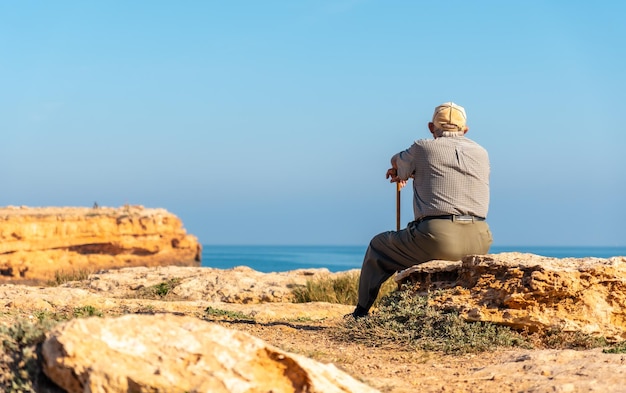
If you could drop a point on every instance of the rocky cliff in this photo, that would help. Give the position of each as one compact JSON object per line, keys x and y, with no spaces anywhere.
{"x":37,"y":243}
{"x":530,"y":292}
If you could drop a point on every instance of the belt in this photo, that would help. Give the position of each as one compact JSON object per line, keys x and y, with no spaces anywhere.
{"x":451,"y":217}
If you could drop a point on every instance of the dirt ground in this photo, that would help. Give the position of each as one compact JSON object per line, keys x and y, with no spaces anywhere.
{"x":395,"y":370}
{"x":389,"y":370}
{"x":399,"y":370}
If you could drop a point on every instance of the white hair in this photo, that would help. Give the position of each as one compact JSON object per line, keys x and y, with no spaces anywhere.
{"x":442,"y":133}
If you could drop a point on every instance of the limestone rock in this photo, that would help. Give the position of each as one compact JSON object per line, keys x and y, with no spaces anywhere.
{"x":35,"y":243}
{"x":169,"y":353}
{"x":544,"y":371}
{"x":116,"y":289}
{"x":237,"y":285}
{"x":527,"y":291}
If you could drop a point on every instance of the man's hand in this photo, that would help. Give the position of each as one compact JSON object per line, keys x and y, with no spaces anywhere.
{"x":393,"y":174}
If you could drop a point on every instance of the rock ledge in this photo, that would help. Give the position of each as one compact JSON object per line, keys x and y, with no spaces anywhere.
{"x":532,"y":292}
{"x":36,"y":243}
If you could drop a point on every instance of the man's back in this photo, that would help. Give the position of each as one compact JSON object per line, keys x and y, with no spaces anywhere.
{"x":450,"y":176}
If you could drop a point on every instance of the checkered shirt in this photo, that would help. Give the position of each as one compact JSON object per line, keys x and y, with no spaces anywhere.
{"x":450,"y":176}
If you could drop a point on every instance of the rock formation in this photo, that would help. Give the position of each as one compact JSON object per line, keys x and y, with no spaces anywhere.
{"x":262,"y":296}
{"x":241,"y":284}
{"x":527,"y":291}
{"x":37,"y":243}
{"x":167,"y":353}
{"x":138,"y":334}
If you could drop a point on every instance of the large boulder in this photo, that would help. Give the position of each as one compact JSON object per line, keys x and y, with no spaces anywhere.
{"x":37,"y":243}
{"x":167,"y":353}
{"x":527,"y":291}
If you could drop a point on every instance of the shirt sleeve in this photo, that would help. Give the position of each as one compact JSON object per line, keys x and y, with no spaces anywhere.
{"x":405,"y":162}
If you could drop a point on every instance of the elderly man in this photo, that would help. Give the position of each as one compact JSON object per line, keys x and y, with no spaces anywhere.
{"x":450,"y":201}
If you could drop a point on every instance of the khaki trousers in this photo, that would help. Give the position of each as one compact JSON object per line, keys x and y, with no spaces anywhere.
{"x":392,"y":251}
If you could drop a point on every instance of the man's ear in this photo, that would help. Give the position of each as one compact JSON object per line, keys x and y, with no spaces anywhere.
{"x":431,"y":127}
{"x":465,"y":130}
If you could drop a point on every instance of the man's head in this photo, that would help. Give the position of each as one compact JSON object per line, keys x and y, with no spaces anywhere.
{"x":449,"y":119}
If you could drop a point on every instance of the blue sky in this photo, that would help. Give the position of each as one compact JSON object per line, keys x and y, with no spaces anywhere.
{"x":272,"y":122}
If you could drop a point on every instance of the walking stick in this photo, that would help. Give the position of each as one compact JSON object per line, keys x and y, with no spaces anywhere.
{"x":397,"y":206}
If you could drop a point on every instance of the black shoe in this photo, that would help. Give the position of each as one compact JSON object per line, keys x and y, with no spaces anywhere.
{"x":359,"y":312}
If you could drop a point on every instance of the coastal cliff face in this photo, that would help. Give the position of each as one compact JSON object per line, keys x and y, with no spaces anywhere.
{"x":37,"y":243}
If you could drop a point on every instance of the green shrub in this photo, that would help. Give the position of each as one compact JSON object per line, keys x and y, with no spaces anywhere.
{"x":559,"y":339}
{"x":24,"y":332}
{"x":160,"y":290}
{"x":619,"y":347}
{"x":86,"y":311}
{"x":406,"y":320}
{"x":19,"y":343}
{"x":211,"y":313}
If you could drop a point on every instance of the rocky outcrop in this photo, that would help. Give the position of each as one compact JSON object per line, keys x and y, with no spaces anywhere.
{"x":262,"y":296}
{"x":530,"y":292}
{"x":148,"y":338}
{"x":240,"y":284}
{"x":37,"y":243}
{"x":167,"y":353}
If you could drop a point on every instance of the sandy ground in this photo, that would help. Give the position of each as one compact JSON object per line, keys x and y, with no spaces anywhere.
{"x":396,"y":370}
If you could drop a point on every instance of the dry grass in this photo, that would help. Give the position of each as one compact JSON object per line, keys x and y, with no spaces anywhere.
{"x":63,"y":276}
{"x":341,"y":289}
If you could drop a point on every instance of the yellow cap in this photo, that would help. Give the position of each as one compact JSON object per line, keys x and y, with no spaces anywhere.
{"x":449,"y":117}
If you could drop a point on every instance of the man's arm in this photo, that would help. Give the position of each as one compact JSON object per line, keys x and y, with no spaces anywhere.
{"x":393,"y":173}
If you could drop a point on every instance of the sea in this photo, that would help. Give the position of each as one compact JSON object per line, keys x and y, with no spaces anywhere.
{"x":341,"y":258}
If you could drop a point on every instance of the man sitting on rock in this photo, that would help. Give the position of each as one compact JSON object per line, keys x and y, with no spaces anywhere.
{"x":450,"y":201}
